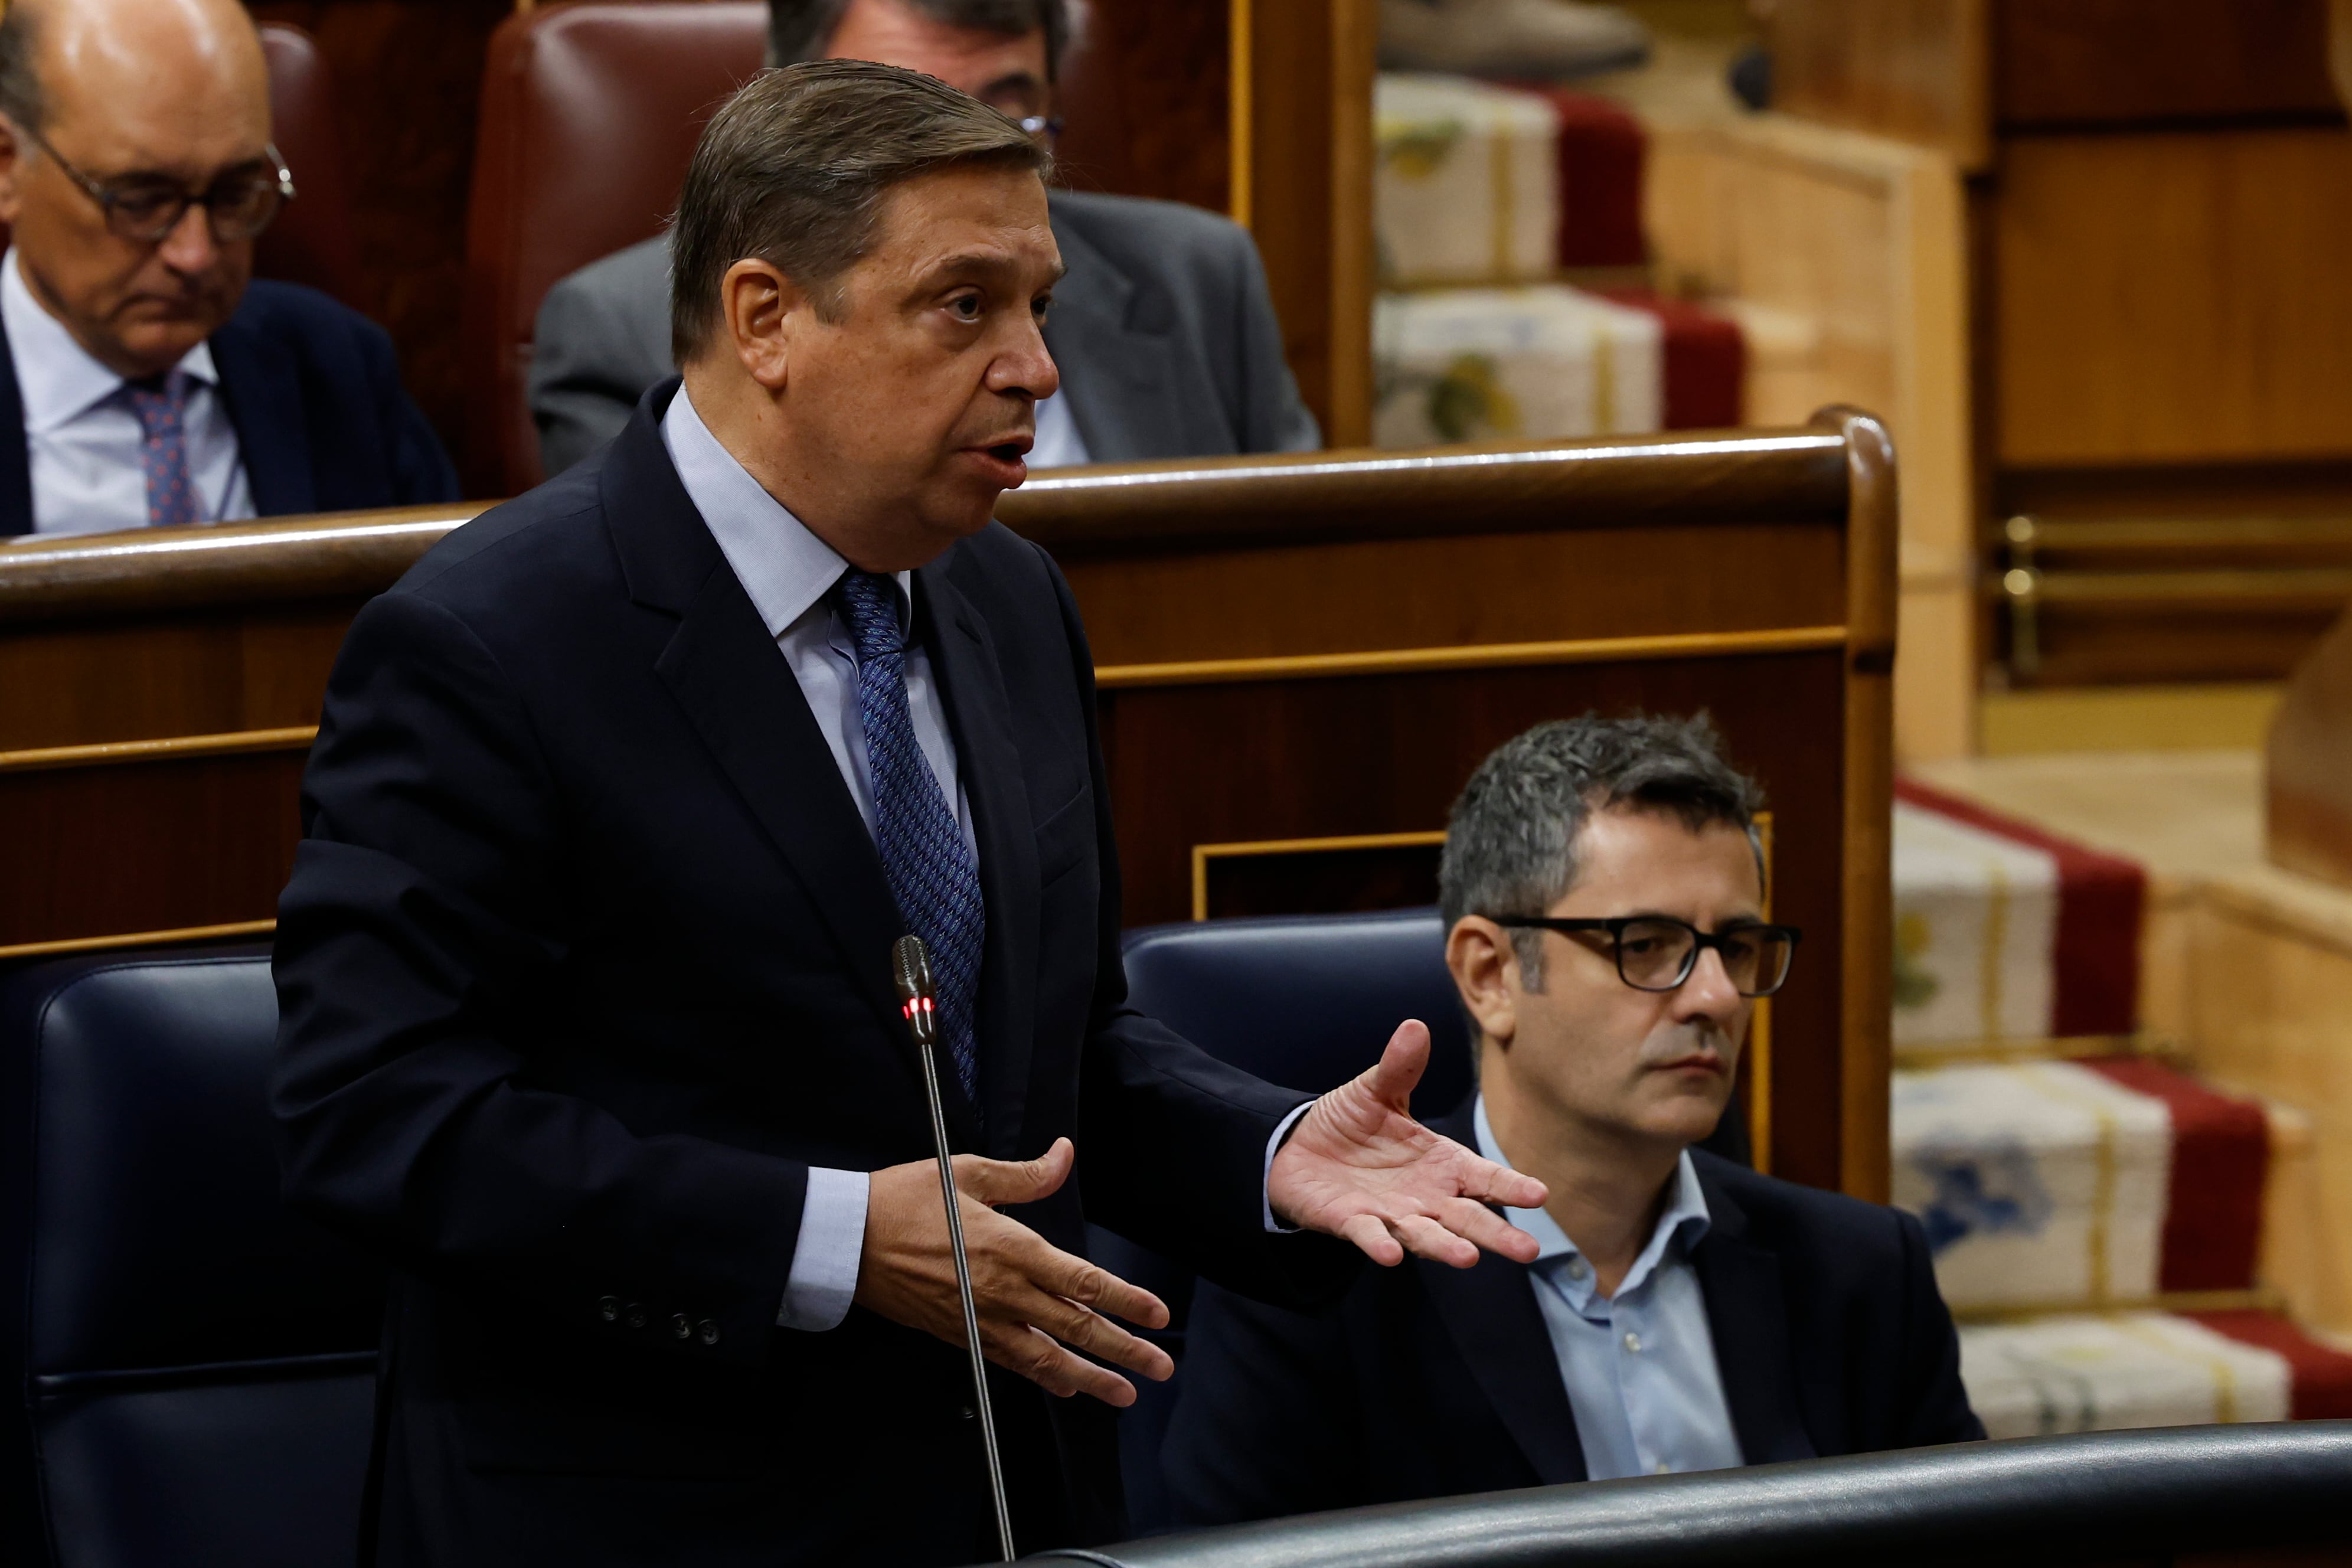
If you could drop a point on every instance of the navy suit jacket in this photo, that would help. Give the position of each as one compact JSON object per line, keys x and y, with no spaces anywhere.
{"x":314,"y":393}
{"x":583,"y":964}
{"x":1429,"y":1382}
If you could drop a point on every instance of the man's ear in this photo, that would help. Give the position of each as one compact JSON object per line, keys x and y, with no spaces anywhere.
{"x":760,"y":312}
{"x":1486,"y":972}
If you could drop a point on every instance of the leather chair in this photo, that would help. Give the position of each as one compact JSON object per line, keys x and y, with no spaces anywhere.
{"x":589,"y":116}
{"x":313,"y":241}
{"x":1306,"y":1002}
{"x":191,"y":1368}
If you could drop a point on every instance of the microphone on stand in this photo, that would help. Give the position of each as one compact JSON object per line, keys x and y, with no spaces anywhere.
{"x":910,"y":964}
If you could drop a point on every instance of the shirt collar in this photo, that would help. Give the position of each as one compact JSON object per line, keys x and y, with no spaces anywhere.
{"x":1685,"y":1220}
{"x":58,"y":379}
{"x":785,"y":569}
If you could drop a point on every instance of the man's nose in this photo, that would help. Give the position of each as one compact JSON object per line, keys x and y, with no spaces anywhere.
{"x":1708,"y":993}
{"x":1027,"y":366}
{"x":189,"y":247}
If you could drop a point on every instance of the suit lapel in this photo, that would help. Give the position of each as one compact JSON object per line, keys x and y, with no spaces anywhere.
{"x":263,"y":394}
{"x":980,"y":715}
{"x":1748,"y":1319}
{"x":1490,"y":1310}
{"x":1120,"y":378}
{"x":736,"y":690}
{"x":16,"y":455}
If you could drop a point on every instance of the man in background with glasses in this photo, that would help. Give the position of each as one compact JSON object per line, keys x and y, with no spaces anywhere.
{"x":1162,"y":330}
{"x":151,"y":380}
{"x":1603,"y":887}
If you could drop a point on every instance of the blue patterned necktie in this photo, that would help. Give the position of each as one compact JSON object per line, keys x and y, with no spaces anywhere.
{"x":161,"y":404}
{"x":924,"y":858}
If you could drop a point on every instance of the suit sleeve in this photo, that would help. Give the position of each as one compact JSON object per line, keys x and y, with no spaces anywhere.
{"x":420,"y":945}
{"x":1934,"y":1407}
{"x":1178,"y":1139}
{"x":1267,"y":1424}
{"x":1273,"y":418}
{"x":583,"y":385}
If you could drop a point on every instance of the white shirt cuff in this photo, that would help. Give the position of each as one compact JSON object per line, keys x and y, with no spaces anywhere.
{"x":823,"y":1280}
{"x":1273,"y":1147}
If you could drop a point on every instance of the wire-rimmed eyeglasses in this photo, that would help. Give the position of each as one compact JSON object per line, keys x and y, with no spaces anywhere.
{"x":1658,"y":952}
{"x":143,"y":208}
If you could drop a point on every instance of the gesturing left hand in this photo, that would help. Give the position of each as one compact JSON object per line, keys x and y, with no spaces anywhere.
{"x":1358,"y":1166}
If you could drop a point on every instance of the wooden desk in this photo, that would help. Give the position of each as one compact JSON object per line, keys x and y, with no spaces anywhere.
{"x":1290,"y":651}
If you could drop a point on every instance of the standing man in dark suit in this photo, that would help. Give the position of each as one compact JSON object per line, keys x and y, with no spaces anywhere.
{"x":1162,"y":330}
{"x":145,"y":378}
{"x":1604,"y":897}
{"x":621,"y":798}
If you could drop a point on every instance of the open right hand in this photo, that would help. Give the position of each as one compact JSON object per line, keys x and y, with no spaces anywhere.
{"x":1035,"y":1300}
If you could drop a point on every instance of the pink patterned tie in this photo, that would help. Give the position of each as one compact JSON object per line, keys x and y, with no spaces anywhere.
{"x":162,"y":404}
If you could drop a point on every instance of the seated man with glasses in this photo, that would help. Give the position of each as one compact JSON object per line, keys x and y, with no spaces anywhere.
{"x":1604,"y":892}
{"x":150,"y":379}
{"x":1162,"y":330}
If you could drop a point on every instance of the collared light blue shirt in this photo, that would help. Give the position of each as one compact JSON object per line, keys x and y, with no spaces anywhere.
{"x":788,"y":573}
{"x":1639,"y":1367}
{"x":83,"y":443}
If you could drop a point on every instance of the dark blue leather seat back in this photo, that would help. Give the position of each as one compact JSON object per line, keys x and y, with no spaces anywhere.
{"x":192,"y":1367}
{"x":1306,"y":1002}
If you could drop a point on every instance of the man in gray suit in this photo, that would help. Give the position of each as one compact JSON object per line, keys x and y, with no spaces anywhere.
{"x":1163,"y":328}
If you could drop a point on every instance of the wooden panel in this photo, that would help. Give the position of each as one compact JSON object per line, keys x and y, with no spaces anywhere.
{"x":1304,"y":599}
{"x":178,"y":675}
{"x":1304,"y":179}
{"x":2168,"y":298}
{"x":1382,"y":755}
{"x":1909,"y":68}
{"x":185,"y":840}
{"x":1317,"y":876}
{"x":2108,"y":62}
{"x":1844,"y":257}
{"x":1144,"y":104}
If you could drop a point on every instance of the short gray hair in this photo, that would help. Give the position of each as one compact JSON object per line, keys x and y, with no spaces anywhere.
{"x":803,"y":29}
{"x":1510,"y":843}
{"x":792,"y":171}
{"x":22,"y":99}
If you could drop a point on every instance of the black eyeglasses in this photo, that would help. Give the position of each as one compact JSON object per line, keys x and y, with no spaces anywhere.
{"x":1657,"y":952}
{"x":143,"y":208}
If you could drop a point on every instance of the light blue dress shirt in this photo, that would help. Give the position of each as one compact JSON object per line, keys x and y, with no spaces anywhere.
{"x":1639,"y":1368}
{"x":83,"y":441}
{"x":788,"y":573}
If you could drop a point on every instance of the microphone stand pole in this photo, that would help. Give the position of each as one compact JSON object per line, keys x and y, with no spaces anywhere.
{"x":911,"y":962}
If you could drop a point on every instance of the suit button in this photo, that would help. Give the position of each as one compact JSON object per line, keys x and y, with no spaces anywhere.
{"x":708,"y":1331}
{"x":969,"y":1414}
{"x":633,"y":1314}
{"x":609,"y":1309}
{"x":680,"y":1327}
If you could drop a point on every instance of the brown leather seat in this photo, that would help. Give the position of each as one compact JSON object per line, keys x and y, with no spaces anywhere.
{"x":589,"y":116}
{"x":313,"y":241}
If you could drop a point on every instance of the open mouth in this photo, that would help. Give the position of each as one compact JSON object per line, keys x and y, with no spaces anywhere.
{"x":1008,"y":451}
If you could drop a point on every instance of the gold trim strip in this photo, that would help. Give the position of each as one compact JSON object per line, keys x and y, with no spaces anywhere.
{"x":107,"y":754}
{"x":1759,"y":1034}
{"x":2260,"y":1298}
{"x":137,"y":939}
{"x":2061,"y":1049}
{"x":1204,"y":853}
{"x":1476,"y":655}
{"x":1241,"y":44}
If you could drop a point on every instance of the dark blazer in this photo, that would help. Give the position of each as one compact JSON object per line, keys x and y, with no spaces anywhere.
{"x":1431,"y":1381}
{"x":314,"y":392}
{"x":1163,"y":331}
{"x":584,"y":963}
